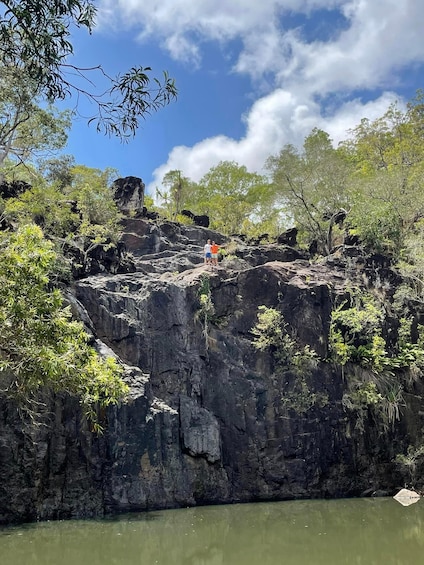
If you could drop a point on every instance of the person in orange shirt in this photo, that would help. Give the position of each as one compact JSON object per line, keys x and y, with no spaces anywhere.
{"x":214,"y":251}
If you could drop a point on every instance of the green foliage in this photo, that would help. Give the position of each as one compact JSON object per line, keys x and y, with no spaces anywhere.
{"x":148,"y":201}
{"x":179,"y":193}
{"x":411,"y":265}
{"x":236,"y":200}
{"x":301,"y":398}
{"x":206,"y":309}
{"x":363,"y":395}
{"x":360,"y":397}
{"x":27,"y":130}
{"x":205,"y":296}
{"x":310,"y":186}
{"x":46,"y":204}
{"x":356,"y":337}
{"x":271,"y":333}
{"x":355,"y":332}
{"x":230,"y":195}
{"x":392,"y":402}
{"x":372,"y":354}
{"x":410,"y":461}
{"x":82,"y":214}
{"x":269,"y":330}
{"x":36,"y":39}
{"x":388,"y":159}
{"x":40,"y":344}
{"x":377,"y":223}
{"x":94,"y":200}
{"x":132,"y":97}
{"x":58,"y":170}
{"x":380,"y":394}
{"x":36,"y":36}
{"x":409,"y":355}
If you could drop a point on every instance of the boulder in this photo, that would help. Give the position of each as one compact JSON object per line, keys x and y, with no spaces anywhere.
{"x":289,"y":237}
{"x":407,"y":497}
{"x":199,"y":220}
{"x":128,"y":193}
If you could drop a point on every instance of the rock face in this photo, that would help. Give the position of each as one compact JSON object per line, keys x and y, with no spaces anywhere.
{"x":128,"y":193}
{"x":207,"y":420}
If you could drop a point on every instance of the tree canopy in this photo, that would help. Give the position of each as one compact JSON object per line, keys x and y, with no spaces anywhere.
{"x":228,"y":193}
{"x":36,"y":39}
{"x":40,"y":344}
{"x":310,"y":185}
{"x":27,"y":130}
{"x":370,"y":187}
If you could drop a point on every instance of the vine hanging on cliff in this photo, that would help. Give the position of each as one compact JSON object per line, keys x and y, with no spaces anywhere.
{"x":207,"y":308}
{"x":271,"y":333}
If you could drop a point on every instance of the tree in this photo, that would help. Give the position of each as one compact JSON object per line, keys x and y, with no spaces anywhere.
{"x":99,"y":215}
{"x":388,"y":159}
{"x":230,"y":194}
{"x":178,"y":193}
{"x":47,"y":205}
{"x":235,"y":199}
{"x":40,"y":344}
{"x":58,"y":169}
{"x":392,"y":141}
{"x":311,"y":186}
{"x":81,"y":214}
{"x":35,"y":37}
{"x":26,"y":130}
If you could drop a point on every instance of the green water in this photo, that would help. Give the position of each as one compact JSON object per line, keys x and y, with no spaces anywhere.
{"x":335,"y":532}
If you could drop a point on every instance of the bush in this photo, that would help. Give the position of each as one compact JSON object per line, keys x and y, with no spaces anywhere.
{"x":40,"y":344}
{"x":271,"y":333}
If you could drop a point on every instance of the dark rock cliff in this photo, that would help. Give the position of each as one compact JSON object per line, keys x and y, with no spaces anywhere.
{"x":206,"y":420}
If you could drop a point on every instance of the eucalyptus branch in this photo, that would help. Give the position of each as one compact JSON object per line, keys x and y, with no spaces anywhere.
{"x":34,"y":37}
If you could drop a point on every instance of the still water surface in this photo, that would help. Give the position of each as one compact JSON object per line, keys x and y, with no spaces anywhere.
{"x":333,"y":532}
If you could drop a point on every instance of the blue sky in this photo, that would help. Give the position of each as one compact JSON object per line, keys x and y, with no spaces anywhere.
{"x":252,"y":76}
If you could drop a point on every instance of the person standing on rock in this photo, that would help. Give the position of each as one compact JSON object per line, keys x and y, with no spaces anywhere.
{"x":207,"y":252}
{"x":214,"y":251}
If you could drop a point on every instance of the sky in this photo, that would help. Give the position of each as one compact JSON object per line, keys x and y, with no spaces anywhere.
{"x":252,"y":76}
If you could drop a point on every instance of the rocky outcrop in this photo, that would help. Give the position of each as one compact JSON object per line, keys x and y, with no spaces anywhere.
{"x":208,"y":418}
{"x":202,"y":220}
{"x":128,"y":193}
{"x":12,"y":189}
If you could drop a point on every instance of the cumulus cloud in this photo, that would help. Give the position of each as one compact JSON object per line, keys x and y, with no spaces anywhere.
{"x":273,"y":121}
{"x":221,"y":20}
{"x":269,"y":125}
{"x":377,"y":36}
{"x":370,"y":43}
{"x":381,"y":38}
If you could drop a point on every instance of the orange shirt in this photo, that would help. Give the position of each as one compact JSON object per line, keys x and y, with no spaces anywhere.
{"x":214,"y":249}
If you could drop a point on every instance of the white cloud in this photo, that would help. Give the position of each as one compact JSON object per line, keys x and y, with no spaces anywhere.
{"x":350,"y":114}
{"x":381,"y":38}
{"x":268,"y":127}
{"x":273,"y":121}
{"x":377,"y":38}
{"x":183,"y":49}
{"x":220,"y":20}
{"x":379,"y":35}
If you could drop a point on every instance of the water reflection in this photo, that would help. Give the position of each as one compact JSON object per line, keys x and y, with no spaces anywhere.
{"x":334,"y":532}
